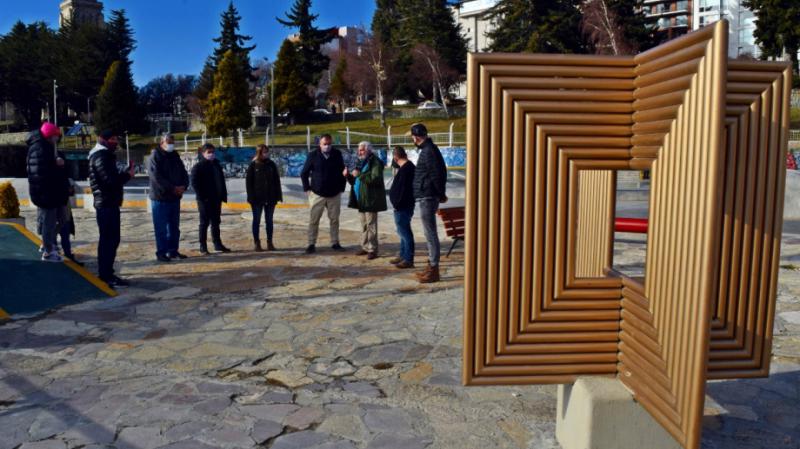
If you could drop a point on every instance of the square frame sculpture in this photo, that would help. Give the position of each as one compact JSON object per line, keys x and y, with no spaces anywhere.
{"x":542,"y":304}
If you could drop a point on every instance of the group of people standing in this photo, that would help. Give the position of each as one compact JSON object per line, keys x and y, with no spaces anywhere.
{"x":324,"y":178}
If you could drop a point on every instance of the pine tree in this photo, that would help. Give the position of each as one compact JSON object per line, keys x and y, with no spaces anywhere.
{"x":229,"y":39}
{"x":118,"y":108}
{"x":28,"y":62}
{"x":310,"y":41}
{"x":777,"y":29}
{"x":228,"y":107}
{"x":638,"y":31}
{"x":542,"y":26}
{"x":385,"y":20}
{"x":119,"y":38}
{"x":291,"y":92}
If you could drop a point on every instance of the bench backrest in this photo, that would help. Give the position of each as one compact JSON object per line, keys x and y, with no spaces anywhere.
{"x":453,"y":219}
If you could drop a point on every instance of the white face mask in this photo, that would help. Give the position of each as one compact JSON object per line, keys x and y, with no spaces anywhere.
{"x":170,"y":148}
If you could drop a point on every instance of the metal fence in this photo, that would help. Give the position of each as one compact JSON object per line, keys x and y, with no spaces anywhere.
{"x":448,"y":139}
{"x":794,"y":135}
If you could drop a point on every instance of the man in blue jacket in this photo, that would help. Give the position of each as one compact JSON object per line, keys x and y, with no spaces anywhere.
{"x":323,"y":178}
{"x":168,"y":181}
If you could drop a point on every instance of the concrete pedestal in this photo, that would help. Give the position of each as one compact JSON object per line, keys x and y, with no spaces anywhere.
{"x":600,"y":413}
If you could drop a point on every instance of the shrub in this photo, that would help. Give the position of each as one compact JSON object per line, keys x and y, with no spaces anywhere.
{"x":9,"y":203}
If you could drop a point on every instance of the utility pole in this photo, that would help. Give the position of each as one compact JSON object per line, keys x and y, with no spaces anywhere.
{"x":272,"y":97}
{"x":55,"y":108}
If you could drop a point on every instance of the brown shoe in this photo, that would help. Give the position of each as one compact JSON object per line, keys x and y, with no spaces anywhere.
{"x":361,"y":252}
{"x":372,"y":255}
{"x":430,"y":276}
{"x":270,"y":246}
{"x":424,"y":272}
{"x":396,"y":260}
{"x":257,"y":245}
{"x":405,"y":264}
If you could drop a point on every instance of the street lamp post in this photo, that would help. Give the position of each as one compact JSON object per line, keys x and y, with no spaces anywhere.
{"x":272,"y":98}
{"x":88,"y":110}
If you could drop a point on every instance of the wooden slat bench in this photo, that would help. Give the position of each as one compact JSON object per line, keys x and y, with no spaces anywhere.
{"x":453,"y":219}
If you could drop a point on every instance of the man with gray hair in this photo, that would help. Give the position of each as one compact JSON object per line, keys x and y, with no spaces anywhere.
{"x":368,"y":195}
{"x":168,"y":181}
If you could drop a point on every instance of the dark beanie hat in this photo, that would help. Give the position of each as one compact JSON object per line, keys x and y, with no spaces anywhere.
{"x":106,"y":134}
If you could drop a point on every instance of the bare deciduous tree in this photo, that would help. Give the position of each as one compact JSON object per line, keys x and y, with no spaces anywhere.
{"x":440,"y":75}
{"x":600,"y":25}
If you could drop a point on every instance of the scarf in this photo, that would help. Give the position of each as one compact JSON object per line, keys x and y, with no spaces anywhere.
{"x":357,"y":185}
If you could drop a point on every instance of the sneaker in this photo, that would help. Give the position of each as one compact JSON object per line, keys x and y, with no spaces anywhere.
{"x":361,"y":252}
{"x":162,"y":258}
{"x":311,"y":249}
{"x":396,"y":260}
{"x":204,"y":250}
{"x":177,"y":255}
{"x":404,"y":264}
{"x":120,"y":282}
{"x":372,"y":255}
{"x":337,"y":247}
{"x":221,"y":248}
{"x":51,"y":257}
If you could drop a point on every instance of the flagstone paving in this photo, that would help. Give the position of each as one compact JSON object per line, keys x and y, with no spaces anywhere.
{"x":283,"y":350}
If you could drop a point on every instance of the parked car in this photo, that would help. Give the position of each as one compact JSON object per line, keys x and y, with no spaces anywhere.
{"x":399,"y":102}
{"x":429,"y":105}
{"x":351,"y":110}
{"x":322,"y":111}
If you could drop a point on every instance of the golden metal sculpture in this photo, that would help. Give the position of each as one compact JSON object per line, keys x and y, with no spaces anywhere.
{"x":546,"y":135}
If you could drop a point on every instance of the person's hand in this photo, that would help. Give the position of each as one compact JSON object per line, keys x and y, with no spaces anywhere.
{"x":356,"y":173}
{"x":132,"y":170}
{"x":60,"y":162}
{"x":443,"y":199}
{"x":308,"y":192}
{"x":344,"y":172}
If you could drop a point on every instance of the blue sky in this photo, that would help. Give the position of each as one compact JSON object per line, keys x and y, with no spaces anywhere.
{"x":174,"y":36}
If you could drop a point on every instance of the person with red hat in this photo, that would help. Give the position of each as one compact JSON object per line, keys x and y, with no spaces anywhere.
{"x":48,"y":186}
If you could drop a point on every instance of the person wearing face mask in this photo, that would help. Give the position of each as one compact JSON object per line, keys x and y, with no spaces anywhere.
{"x":168,"y":182}
{"x":106,"y":180}
{"x":208,"y":182}
{"x":323,"y":178}
{"x":430,"y":179}
{"x":263,"y":182}
{"x":368,"y":195}
{"x":48,"y":186}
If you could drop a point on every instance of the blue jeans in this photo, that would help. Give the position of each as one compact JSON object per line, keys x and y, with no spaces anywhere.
{"x":427,"y":209}
{"x":269,"y":211}
{"x":402,"y":220}
{"x":166,"y":223}
{"x":108,"y":222}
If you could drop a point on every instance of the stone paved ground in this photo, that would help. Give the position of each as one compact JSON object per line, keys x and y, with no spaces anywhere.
{"x":289,"y":351}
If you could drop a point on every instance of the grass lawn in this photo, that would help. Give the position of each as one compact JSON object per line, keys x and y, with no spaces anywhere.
{"x":795,"y":119}
{"x":296,"y":134}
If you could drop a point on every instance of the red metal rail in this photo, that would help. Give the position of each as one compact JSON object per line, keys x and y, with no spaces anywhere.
{"x":635,"y":225}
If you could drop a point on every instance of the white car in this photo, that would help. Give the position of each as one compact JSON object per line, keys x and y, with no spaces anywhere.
{"x":322,"y":111}
{"x":429,"y":105}
{"x":351,"y":110}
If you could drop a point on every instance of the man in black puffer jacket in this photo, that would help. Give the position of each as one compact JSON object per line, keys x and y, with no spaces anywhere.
{"x":430,"y":178}
{"x":323,"y":179}
{"x":48,"y":187}
{"x":106,"y":180}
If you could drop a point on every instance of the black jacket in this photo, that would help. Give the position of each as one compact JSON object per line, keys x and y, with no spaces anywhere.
{"x":263,"y":183}
{"x":402,"y":192}
{"x":326,"y":173}
{"x":208,"y":181}
{"x":430,"y":175}
{"x":166,"y":170}
{"x":105,"y":178}
{"x":48,"y":184}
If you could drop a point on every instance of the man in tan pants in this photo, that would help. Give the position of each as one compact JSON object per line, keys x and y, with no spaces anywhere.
{"x":323,"y":178}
